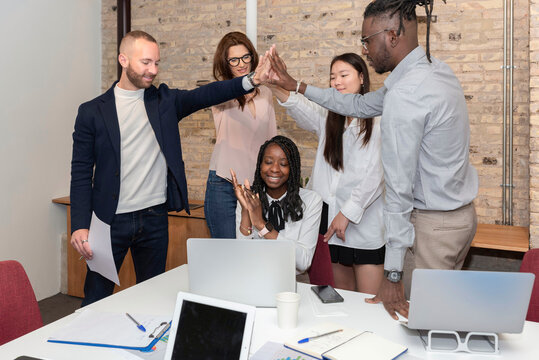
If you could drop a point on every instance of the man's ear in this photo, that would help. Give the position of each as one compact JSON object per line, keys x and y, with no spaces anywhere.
{"x":393,"y":38}
{"x":123,"y":60}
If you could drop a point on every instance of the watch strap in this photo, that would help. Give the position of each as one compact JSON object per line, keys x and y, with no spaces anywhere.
{"x":264,"y":231}
{"x":250,"y":79}
{"x":393,"y":275}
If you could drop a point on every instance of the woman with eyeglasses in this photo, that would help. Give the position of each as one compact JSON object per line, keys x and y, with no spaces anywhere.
{"x":242,"y":125}
{"x":348,"y":175}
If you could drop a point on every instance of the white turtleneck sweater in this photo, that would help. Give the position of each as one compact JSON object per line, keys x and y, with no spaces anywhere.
{"x":143,"y":170}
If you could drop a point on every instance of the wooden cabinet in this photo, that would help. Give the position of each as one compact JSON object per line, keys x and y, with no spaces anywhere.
{"x":181,"y":226}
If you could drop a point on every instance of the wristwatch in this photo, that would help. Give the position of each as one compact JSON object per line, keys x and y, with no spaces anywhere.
{"x":393,"y":275}
{"x":250,"y":77}
{"x":266,"y":229}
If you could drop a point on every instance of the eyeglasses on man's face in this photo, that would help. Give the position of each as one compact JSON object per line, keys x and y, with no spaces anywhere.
{"x":365,"y":38}
{"x":235,"y":61}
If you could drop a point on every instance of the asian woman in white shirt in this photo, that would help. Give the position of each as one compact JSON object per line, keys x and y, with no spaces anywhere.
{"x":348,"y":175}
{"x":275,"y":206}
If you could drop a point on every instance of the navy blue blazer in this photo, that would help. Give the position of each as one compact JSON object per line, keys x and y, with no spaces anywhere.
{"x":95,"y":165}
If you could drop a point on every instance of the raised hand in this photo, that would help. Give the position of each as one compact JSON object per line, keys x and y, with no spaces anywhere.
{"x":279,"y":75}
{"x":238,"y":190}
{"x":263,"y":69}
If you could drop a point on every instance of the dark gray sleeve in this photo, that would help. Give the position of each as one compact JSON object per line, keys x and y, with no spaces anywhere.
{"x":356,"y":105}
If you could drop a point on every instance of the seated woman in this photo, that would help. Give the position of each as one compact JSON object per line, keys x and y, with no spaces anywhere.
{"x":275,"y":206}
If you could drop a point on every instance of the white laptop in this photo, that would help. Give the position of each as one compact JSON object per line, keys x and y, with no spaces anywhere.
{"x":208,"y":328}
{"x":461,"y":300}
{"x":246,"y":271}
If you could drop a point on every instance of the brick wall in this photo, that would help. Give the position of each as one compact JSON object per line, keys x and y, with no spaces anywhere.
{"x":468,"y":35}
{"x":534,"y":123}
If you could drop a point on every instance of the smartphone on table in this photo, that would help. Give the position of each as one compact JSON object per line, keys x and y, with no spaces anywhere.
{"x":327,"y":294}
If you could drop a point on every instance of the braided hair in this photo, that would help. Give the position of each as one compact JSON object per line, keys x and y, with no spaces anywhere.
{"x":292,"y":203}
{"x":406,"y":11}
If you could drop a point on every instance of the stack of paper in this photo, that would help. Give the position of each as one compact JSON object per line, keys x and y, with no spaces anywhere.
{"x":112,"y":330}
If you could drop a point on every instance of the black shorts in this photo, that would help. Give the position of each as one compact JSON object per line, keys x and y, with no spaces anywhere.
{"x":349,"y":256}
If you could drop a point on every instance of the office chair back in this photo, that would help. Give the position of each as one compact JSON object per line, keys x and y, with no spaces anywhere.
{"x":19,"y":313}
{"x":530,"y":264}
{"x":321,"y":272}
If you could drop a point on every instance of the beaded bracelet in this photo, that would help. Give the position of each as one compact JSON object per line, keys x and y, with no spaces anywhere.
{"x":249,"y":230}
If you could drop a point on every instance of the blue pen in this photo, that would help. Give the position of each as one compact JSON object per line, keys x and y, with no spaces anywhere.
{"x":136,"y":322}
{"x":302,"y":341}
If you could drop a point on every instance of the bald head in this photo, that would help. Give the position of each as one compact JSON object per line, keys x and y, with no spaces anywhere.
{"x":130,"y":38}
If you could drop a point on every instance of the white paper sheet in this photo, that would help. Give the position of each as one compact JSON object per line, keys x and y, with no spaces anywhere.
{"x":111,"y":328}
{"x":100,"y":243}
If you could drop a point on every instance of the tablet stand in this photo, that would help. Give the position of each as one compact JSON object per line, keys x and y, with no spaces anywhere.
{"x":463,"y":345}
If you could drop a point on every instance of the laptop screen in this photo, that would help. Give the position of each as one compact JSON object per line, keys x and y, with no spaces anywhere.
{"x":208,"y":332}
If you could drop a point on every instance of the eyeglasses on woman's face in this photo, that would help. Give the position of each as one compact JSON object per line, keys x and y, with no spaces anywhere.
{"x":235,"y":61}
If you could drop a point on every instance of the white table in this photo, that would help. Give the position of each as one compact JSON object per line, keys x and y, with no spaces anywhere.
{"x":158,"y":296}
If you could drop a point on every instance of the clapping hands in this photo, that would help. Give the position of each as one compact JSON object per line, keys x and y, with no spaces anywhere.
{"x":249,"y":201}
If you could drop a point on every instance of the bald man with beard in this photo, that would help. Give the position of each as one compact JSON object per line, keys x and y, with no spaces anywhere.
{"x":127,"y":165}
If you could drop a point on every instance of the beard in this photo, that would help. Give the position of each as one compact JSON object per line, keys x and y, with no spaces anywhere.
{"x":382,"y":65}
{"x":138,"y":79}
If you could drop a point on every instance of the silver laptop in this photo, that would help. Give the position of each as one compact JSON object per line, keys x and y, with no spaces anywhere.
{"x":479,"y":301}
{"x":246,"y":271}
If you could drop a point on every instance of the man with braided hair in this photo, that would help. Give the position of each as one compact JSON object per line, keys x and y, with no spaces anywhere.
{"x":429,"y":217}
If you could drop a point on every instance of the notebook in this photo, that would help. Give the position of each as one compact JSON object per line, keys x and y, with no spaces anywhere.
{"x":208,"y":328}
{"x":348,"y":344}
{"x":479,"y":301}
{"x":245,"y":271}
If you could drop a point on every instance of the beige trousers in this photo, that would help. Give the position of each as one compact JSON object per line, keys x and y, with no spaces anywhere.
{"x":442,"y":240}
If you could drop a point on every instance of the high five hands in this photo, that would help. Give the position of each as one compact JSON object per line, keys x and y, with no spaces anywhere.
{"x":273,"y":71}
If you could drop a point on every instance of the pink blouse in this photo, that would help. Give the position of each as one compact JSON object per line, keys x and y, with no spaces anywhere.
{"x":239,"y":135}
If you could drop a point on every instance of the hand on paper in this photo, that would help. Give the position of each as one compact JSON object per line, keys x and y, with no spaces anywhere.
{"x":79,"y":240}
{"x":338,"y":226}
{"x":392,"y":296}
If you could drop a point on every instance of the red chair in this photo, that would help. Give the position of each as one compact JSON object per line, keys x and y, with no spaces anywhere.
{"x":19,"y":313}
{"x":321,"y":272}
{"x":530,"y":264}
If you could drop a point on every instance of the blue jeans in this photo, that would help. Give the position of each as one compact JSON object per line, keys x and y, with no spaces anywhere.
{"x":145,"y":232}
{"x":220,"y":207}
